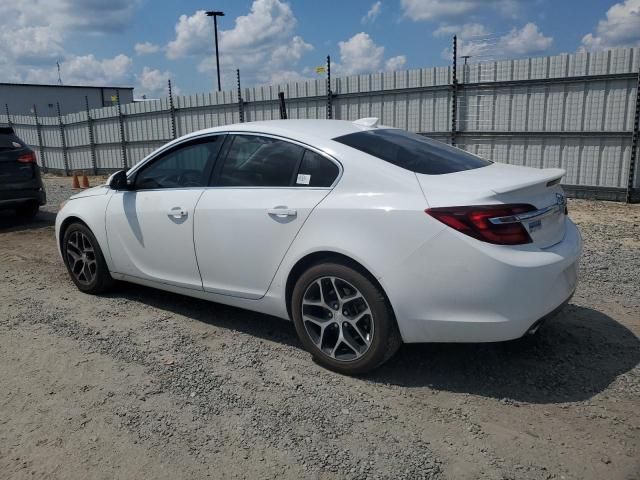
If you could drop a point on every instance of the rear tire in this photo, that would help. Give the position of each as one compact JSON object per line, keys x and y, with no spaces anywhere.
{"x":84,"y":260}
{"x":343,"y":319}
{"x":28,"y":211}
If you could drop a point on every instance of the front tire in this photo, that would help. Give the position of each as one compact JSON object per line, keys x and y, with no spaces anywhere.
{"x":343,"y":319}
{"x":84,"y":260}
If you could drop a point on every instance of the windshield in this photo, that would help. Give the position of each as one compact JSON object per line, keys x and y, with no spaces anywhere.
{"x":412,"y":151}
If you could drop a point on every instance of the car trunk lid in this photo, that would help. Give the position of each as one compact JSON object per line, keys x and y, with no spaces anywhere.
{"x":506,"y":184}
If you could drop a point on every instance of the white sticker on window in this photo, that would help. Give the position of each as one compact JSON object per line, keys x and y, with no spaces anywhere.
{"x":303,"y":179}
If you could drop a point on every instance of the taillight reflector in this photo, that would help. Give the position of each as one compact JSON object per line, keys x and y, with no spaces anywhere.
{"x":27,"y":158}
{"x":474,"y":221}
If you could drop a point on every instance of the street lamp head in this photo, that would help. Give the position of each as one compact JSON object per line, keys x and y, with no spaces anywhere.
{"x":215,"y":14}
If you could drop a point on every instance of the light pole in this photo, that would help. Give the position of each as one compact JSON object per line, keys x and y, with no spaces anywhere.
{"x":215,"y":15}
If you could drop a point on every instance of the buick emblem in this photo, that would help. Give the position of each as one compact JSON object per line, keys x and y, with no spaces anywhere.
{"x":561,"y":200}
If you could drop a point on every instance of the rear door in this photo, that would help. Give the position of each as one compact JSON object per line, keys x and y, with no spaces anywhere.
{"x":150,"y":229}
{"x":262,"y":193}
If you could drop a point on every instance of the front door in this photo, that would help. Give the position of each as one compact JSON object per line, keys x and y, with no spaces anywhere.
{"x":150,"y":228}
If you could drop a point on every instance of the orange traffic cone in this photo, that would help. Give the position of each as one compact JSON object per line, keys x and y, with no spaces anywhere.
{"x":85,"y":181}
{"x":75,"y":183}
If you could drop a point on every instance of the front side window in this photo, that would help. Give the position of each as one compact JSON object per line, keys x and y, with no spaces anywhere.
{"x":412,"y":152}
{"x":187,"y":165}
{"x":255,"y":161}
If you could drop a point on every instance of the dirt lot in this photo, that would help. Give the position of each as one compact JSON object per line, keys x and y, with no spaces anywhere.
{"x":146,"y":384}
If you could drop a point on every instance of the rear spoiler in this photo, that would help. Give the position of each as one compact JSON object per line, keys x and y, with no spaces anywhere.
{"x":549,"y":176}
{"x":6,"y":129}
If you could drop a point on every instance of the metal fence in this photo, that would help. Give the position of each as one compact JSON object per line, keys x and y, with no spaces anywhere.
{"x":578,"y":112}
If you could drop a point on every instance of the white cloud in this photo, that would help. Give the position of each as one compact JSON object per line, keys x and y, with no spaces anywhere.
{"x":420,"y":10}
{"x":153,"y":83}
{"x":474,"y":40}
{"x":33,"y":38}
{"x":373,"y":13}
{"x":395,"y":63}
{"x":146,"y":48}
{"x":194,"y":36}
{"x":292,"y":52}
{"x":525,"y":41}
{"x":82,"y":70}
{"x":94,"y":16}
{"x":360,"y":54}
{"x":620,"y":28}
{"x":262,"y":44}
{"x":31,"y":45}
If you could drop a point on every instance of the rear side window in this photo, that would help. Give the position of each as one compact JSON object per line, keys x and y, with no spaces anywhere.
{"x":316,"y":171}
{"x":412,"y":152}
{"x":255,"y":161}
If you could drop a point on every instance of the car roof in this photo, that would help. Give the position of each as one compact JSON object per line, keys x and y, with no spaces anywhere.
{"x":314,"y":132}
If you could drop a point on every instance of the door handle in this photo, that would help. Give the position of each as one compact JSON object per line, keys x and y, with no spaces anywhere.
{"x":177,"y":212}
{"x":282,"y":212}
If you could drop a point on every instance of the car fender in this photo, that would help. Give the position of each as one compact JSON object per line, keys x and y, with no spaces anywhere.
{"x":90,"y":210}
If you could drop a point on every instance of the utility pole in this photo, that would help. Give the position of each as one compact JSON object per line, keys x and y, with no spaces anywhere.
{"x":215,"y":15}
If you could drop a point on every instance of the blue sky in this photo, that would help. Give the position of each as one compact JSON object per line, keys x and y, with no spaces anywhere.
{"x":144,"y":42}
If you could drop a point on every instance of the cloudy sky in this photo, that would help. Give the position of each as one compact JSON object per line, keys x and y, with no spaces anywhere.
{"x":144,"y":42}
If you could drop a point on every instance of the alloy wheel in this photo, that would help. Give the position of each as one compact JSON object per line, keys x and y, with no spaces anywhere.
{"x":337,"y":318}
{"x":81,"y":257}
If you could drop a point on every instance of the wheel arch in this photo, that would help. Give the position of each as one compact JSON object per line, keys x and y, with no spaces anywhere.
{"x":315,"y":258}
{"x":66,"y":223}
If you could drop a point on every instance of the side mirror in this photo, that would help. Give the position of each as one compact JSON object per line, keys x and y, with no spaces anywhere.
{"x":118,"y":181}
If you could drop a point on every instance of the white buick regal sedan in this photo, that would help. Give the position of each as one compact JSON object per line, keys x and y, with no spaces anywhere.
{"x":365,"y":236}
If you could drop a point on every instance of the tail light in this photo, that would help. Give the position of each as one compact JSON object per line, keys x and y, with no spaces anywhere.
{"x":27,"y":158}
{"x":475,"y":222}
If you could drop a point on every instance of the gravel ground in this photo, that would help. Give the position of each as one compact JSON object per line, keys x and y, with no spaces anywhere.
{"x":146,"y":384}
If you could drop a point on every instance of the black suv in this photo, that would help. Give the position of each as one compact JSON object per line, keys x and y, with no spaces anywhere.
{"x":21,"y":187}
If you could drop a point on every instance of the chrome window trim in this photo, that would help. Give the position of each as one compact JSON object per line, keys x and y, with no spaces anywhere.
{"x":132,"y":171}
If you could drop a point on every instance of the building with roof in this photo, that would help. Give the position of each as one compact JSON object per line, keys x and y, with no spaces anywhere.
{"x":21,"y":98}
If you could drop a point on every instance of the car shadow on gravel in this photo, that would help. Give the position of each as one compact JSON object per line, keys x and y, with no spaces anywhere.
{"x":216,"y":314}
{"x":574,"y":356}
{"x":10,"y":222}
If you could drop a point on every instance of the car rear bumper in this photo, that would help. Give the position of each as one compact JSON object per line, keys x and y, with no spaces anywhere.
{"x":13,"y":198}
{"x":482,"y":292}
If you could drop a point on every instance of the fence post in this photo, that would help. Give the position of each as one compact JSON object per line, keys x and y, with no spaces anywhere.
{"x":634,"y":144}
{"x":283,"y":107}
{"x":240,"y":105}
{"x":172,"y":112}
{"x":92,"y":142}
{"x":329,"y":105}
{"x":39,"y":135}
{"x":6,"y":109}
{"x":123,"y":142}
{"x":454,"y":96}
{"x":63,"y":141}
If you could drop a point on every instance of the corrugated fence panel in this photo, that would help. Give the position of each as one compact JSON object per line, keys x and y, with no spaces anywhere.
{"x":548,"y":114}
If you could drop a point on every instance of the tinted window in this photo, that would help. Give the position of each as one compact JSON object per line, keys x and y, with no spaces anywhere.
{"x":413,"y":152}
{"x":255,"y":161}
{"x":188,"y":165}
{"x":316,"y":171}
{"x":9,"y":140}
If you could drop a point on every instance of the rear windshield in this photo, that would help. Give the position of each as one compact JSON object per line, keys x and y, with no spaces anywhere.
{"x":9,"y":140}
{"x":413,"y":152}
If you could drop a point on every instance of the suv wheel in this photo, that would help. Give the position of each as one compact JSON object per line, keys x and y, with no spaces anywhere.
{"x":343,"y":319}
